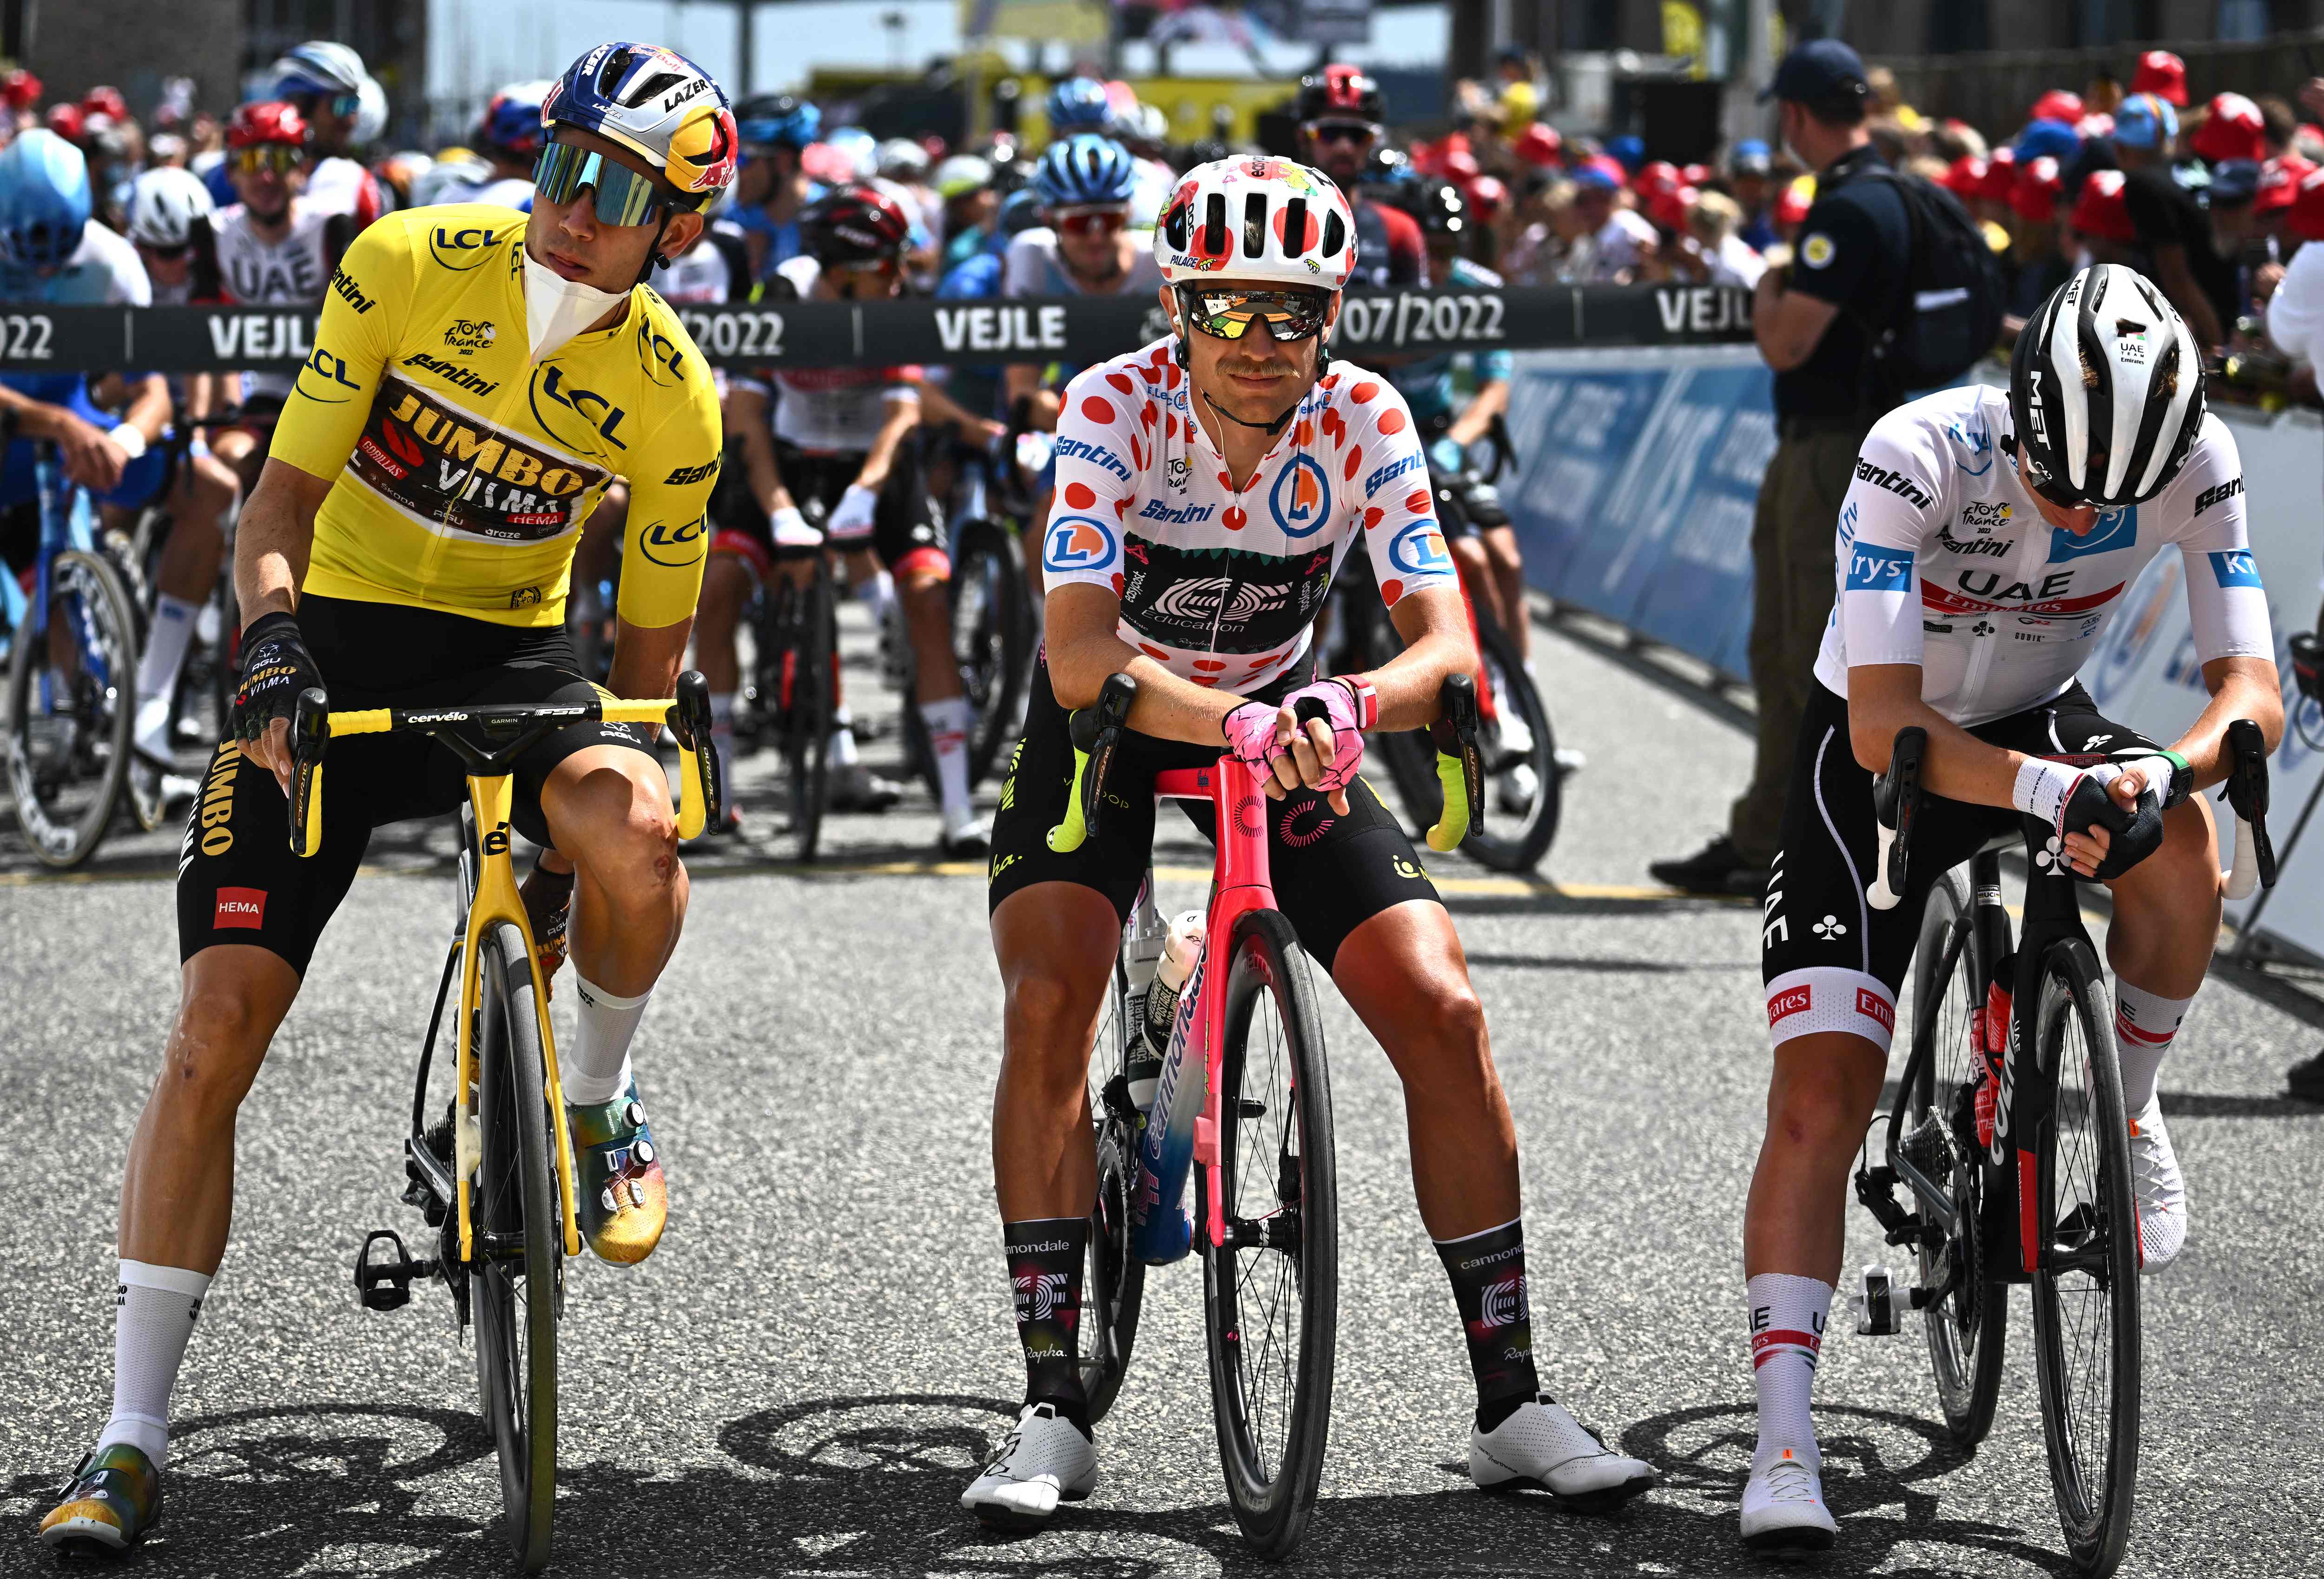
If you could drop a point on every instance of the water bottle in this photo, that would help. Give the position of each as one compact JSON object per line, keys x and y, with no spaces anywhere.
{"x":1180,"y":948}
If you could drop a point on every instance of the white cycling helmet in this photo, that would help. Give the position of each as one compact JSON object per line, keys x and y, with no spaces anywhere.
{"x":1255,"y":217}
{"x":320,"y":66}
{"x":903,"y":160}
{"x":163,"y":205}
{"x":2106,"y":390}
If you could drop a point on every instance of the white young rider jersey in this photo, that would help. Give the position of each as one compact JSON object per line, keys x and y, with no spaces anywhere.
{"x":1222,"y":585}
{"x":293,"y":271}
{"x":834,"y":410}
{"x":1944,"y":562}
{"x":341,"y":186}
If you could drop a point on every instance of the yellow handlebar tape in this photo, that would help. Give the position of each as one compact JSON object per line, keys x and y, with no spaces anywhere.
{"x":1452,"y":827}
{"x":1066,"y":837}
{"x":694,"y":811}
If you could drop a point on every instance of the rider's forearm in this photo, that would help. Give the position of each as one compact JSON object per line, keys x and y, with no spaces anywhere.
{"x":31,"y":418}
{"x":271,"y":544}
{"x":938,"y":409}
{"x":1884,"y":699}
{"x":646,"y":658}
{"x":1436,"y":645}
{"x":149,"y":409}
{"x":1168,"y":708}
{"x":766,"y":479}
{"x":2240,"y":688}
{"x":903,"y":416}
{"x":1475,"y":422}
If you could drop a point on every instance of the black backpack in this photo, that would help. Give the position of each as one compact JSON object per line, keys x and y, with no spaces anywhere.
{"x":1947,"y":314}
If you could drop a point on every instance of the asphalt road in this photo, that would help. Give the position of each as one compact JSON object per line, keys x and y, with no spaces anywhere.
{"x":805,"y":1374}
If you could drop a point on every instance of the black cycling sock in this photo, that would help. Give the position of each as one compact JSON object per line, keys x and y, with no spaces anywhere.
{"x":1044,"y":1269}
{"x":1489,"y":1285}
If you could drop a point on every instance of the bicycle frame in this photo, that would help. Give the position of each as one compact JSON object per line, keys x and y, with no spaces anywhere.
{"x":1182,"y":1128}
{"x":64,"y":524}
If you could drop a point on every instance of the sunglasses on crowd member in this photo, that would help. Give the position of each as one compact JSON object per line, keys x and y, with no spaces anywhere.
{"x":623,"y":197}
{"x":1091,"y":221}
{"x":339,"y":105}
{"x":279,"y":157}
{"x":1343,"y":131}
{"x":1227,"y":315}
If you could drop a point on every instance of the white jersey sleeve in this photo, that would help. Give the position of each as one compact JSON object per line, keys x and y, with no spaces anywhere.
{"x":1025,"y":267}
{"x":1892,"y":507}
{"x":2204,"y":507}
{"x":1096,"y":440}
{"x":2296,"y":313}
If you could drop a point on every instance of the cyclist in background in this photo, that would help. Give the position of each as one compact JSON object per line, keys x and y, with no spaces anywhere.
{"x":771,"y":187}
{"x":275,"y":249}
{"x":326,"y":84}
{"x":842,"y":438}
{"x":403,"y":584}
{"x":1340,"y":125}
{"x":1078,"y":104}
{"x":170,"y":225}
{"x":508,"y":144}
{"x":1145,"y":131}
{"x":1983,"y":550}
{"x":1477,"y":529}
{"x":1209,"y":488}
{"x":964,"y":186}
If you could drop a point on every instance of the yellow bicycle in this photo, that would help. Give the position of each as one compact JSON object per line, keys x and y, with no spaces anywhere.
{"x":493,"y":1177}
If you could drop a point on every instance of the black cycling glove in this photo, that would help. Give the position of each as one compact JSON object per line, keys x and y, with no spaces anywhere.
{"x":2131,"y":836}
{"x":276,"y":667}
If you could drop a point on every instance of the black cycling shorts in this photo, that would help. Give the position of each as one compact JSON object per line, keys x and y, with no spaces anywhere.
{"x":1829,"y":960}
{"x":907,"y":531}
{"x":1332,"y":874}
{"x":237,"y":880}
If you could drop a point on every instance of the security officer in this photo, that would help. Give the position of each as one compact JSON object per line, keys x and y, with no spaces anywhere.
{"x":1810,"y":322}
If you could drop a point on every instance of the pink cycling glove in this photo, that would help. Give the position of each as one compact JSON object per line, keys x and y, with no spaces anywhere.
{"x":1250,"y":732}
{"x":1352,"y":707}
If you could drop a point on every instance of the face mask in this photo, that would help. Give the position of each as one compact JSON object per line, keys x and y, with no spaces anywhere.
{"x":557,"y":308}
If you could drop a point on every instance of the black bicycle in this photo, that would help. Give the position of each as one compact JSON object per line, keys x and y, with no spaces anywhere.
{"x":2009,"y":1135}
{"x":794,"y":685}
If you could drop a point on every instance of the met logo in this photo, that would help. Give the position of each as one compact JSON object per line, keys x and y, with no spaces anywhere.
{"x":1300,"y":497}
{"x":1874,"y":570}
{"x":1077,"y":543}
{"x":2235,"y":567}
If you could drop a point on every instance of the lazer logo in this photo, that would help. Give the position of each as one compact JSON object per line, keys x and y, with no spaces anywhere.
{"x":2219,"y":495}
{"x":1894,"y":482}
{"x":344,"y":286}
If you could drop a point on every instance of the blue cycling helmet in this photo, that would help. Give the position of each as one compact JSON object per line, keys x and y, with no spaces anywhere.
{"x":1078,"y":104}
{"x":44,"y":200}
{"x":778,"y":119}
{"x":512,"y":122}
{"x":1084,"y":169}
{"x":1020,"y":210}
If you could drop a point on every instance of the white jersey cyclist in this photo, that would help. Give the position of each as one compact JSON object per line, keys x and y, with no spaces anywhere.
{"x":830,"y":410}
{"x":1221,"y":585}
{"x":293,"y":271}
{"x":1944,"y":562}
{"x":1031,"y":267}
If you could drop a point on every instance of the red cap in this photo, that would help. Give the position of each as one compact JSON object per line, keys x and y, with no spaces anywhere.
{"x":272,"y":122}
{"x":104,"y":101}
{"x":2034,"y":196}
{"x":2163,"y":75}
{"x":1489,"y":197}
{"x":1791,"y":208}
{"x":64,"y":120}
{"x":2232,"y":128}
{"x":2101,"y":210}
{"x":2279,"y":183}
{"x":1966,"y":178}
{"x":2057,"y":105}
{"x":21,"y":88}
{"x":1655,"y":175}
{"x":2306,"y":219}
{"x":1667,"y":206}
{"x":1540,"y":144}
{"x":2001,"y":174}
{"x":1459,"y":167}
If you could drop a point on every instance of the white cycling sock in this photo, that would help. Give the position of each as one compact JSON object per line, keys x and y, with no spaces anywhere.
{"x":1787,"y":1322}
{"x":843,"y":740}
{"x":2144,"y":1026}
{"x":878,"y":595}
{"x":594,"y":1065}
{"x":948,"y":722}
{"x":157,"y":671}
{"x":721,"y":735}
{"x":154,"y":1312}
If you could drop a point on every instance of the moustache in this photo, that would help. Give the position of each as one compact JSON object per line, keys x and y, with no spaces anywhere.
{"x":1256,"y":370}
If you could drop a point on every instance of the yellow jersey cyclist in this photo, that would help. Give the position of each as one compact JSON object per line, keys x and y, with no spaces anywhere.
{"x":1208,"y":487}
{"x":479,"y":377}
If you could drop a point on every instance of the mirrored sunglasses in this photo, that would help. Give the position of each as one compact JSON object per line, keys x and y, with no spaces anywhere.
{"x":1091,"y":221}
{"x":623,"y":197}
{"x":1227,"y":315}
{"x":279,"y":157}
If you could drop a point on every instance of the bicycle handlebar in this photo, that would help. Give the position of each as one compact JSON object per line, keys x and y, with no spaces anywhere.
{"x":1096,"y":733}
{"x":1896,"y":805}
{"x":513,"y":728}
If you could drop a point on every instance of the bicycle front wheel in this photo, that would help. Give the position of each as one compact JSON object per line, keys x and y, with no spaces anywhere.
{"x":1271,"y":1290}
{"x":1115,"y":1284}
{"x":1966,"y":1329}
{"x":517,"y":1269}
{"x":1522,"y":777}
{"x":2086,"y":1317}
{"x":72,"y":705}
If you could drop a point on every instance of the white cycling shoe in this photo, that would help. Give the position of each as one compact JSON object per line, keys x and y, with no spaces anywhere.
{"x":1784,"y":1515}
{"x":1520,"y":788}
{"x":966,"y":831}
{"x":1543,"y":1448}
{"x":1043,"y":1461}
{"x":2161,"y":1191}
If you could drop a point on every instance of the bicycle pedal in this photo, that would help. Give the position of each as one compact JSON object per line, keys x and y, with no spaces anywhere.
{"x":386,"y":1284}
{"x":1877,"y":1312}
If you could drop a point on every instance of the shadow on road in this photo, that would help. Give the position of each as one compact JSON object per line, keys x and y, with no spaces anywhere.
{"x":871,"y":1484}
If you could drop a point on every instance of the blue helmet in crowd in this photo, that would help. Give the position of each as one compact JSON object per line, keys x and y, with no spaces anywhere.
{"x":778,"y":119}
{"x":512,"y":122}
{"x":44,"y":200}
{"x":1078,"y":104}
{"x":1084,"y":169}
{"x":1020,"y":211}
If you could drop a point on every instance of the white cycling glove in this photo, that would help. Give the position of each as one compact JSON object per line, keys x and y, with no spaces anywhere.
{"x":792,"y":531}
{"x":853,"y":517}
{"x":2044,"y":790}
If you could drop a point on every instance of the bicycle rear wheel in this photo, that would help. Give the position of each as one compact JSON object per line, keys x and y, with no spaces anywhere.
{"x":1271,"y":1291}
{"x":516,"y":1274}
{"x":1523,"y":820}
{"x":2086,"y":1317}
{"x":1114,"y":1281}
{"x":1966,"y":1328}
{"x":71,"y":706}
{"x":992,"y":637}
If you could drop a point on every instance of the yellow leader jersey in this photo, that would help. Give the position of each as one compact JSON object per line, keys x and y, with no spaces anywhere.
{"x":463,"y":470}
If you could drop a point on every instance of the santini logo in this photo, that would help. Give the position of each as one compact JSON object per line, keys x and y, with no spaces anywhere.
{"x":1895,"y":482}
